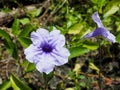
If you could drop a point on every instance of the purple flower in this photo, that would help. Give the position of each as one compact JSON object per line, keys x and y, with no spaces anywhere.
{"x":101,"y":30}
{"x":47,"y":50}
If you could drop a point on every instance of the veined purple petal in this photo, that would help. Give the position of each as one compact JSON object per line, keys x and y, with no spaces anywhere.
{"x":100,"y":31}
{"x":42,"y":32}
{"x":96,"y":19}
{"x":39,"y":36}
{"x":36,"y":39}
{"x":31,"y":52}
{"x":97,"y":32}
{"x":111,"y":37}
{"x":41,"y":67}
{"x":56,"y":38}
{"x":60,"y":58}
{"x":45,"y":64}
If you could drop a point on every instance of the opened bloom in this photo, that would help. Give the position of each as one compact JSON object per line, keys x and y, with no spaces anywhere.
{"x":101,"y":30}
{"x":47,"y":50}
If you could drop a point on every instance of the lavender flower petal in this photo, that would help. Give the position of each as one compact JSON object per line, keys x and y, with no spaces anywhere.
{"x":60,"y":58}
{"x":89,"y":35}
{"x":31,"y":52}
{"x":41,"y":68}
{"x":96,"y":19}
{"x":45,"y":64}
{"x":97,"y":32}
{"x":100,"y":31}
{"x":56,"y":39}
{"x":39,"y":36}
{"x":111,"y":37}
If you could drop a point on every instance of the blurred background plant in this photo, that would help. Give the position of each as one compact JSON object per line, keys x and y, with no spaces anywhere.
{"x":73,"y":18}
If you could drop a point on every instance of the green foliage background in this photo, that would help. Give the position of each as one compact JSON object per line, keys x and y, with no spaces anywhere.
{"x":71,"y":17}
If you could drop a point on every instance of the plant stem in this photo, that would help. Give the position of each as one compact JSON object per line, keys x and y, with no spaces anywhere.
{"x":46,"y":85}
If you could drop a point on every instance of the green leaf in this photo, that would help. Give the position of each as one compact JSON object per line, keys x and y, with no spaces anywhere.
{"x":15,"y":52}
{"x":76,"y":29}
{"x":111,"y":8}
{"x":34,"y":13}
{"x":48,"y":77}
{"x":111,"y":11}
{"x":118,"y":37}
{"x":82,"y":84}
{"x":25,"y":42}
{"x":78,"y":51}
{"x":25,"y":21}
{"x":80,"y":29}
{"x":5,"y":85}
{"x":72,"y":75}
{"x":117,"y":26}
{"x":81,"y":77}
{"x":28,"y":66}
{"x":11,"y":48}
{"x":15,"y":27}
{"x":94,"y":67}
{"x":17,"y":84}
{"x":9,"y":44}
{"x":94,"y":1}
{"x":5,"y":35}
{"x":27,"y":29}
{"x":90,"y":45}
{"x":99,"y":3}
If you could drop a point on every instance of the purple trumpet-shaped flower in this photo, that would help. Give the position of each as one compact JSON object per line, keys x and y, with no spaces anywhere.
{"x":101,"y":30}
{"x":47,"y":50}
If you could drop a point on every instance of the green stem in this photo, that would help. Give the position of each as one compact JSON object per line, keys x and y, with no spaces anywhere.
{"x":47,"y":78}
{"x":46,"y":85}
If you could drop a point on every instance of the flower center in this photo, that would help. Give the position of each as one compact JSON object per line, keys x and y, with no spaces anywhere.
{"x":47,"y":48}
